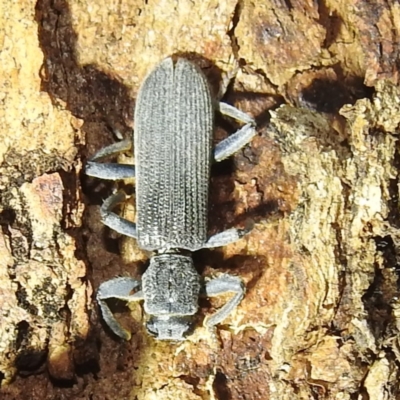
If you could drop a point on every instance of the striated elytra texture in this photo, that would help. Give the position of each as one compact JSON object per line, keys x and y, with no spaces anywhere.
{"x":174,"y":131}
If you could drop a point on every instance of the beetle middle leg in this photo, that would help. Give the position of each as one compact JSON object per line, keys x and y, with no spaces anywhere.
{"x":219,"y":286}
{"x":112,"y":220}
{"x":227,"y":237}
{"x":118,"y":288}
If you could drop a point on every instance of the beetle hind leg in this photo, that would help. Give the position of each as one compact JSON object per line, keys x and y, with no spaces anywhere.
{"x":219,"y":286}
{"x":233,"y":112}
{"x":112,"y":220}
{"x":113,"y":149}
{"x":239,"y":139}
{"x":117,"y":288}
{"x":234,"y":143}
{"x":111,"y":171}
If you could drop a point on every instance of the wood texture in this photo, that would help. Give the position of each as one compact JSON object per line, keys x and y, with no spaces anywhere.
{"x":320,"y":319}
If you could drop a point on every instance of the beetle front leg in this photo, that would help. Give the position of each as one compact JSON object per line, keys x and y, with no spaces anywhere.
{"x":117,"y":288}
{"x":112,"y":220}
{"x":219,"y":286}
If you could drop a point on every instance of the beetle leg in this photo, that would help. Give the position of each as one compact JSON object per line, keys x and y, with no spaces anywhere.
{"x":110,"y":171}
{"x":113,"y":149}
{"x":112,"y":220}
{"x":233,"y":143}
{"x":219,"y":286}
{"x":226,"y":237}
{"x":239,"y":139}
{"x":233,"y":112}
{"x":117,"y":288}
{"x":227,"y":78}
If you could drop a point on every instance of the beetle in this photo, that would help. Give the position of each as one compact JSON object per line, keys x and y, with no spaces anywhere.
{"x":173,"y":133}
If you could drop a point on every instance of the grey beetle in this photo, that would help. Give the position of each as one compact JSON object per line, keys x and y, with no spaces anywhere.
{"x":173,"y":133}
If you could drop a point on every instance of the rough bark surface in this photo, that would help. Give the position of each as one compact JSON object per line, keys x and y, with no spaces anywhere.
{"x":321,"y":316}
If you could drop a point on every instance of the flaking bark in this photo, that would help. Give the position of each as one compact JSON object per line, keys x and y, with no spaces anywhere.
{"x":321,"y":316}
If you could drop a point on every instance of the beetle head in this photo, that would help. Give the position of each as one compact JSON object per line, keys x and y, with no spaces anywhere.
{"x":169,"y":328}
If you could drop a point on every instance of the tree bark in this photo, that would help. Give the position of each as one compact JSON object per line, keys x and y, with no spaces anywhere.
{"x":320,"y":319}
